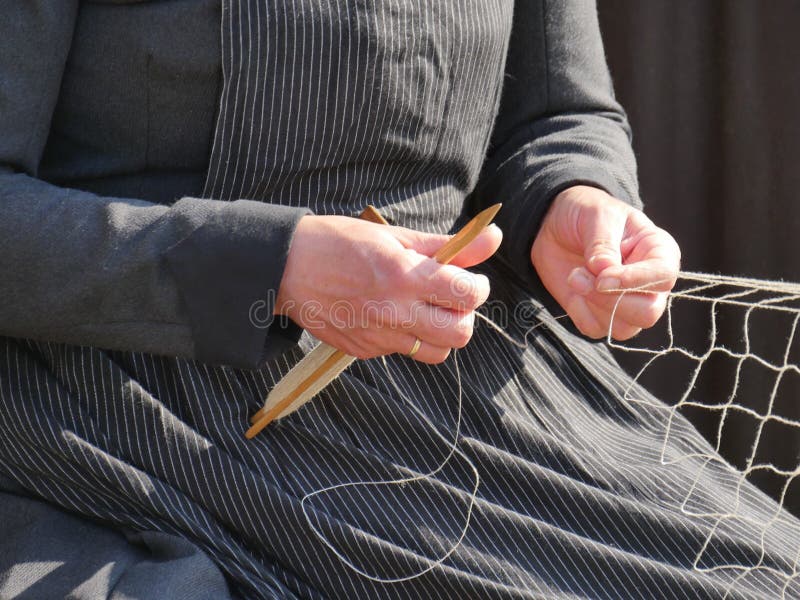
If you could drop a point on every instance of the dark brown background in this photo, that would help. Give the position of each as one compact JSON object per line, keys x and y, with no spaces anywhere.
{"x":712,"y":89}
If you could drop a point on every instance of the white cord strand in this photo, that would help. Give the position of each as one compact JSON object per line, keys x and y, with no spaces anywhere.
{"x":718,"y":290}
{"x":453,"y":450}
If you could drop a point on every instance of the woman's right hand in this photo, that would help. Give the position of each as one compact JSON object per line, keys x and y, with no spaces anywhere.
{"x":370,"y":289}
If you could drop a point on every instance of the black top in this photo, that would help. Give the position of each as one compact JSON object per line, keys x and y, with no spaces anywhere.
{"x":587,"y":486}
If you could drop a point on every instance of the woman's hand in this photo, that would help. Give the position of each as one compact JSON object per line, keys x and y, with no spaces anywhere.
{"x":371,"y":289}
{"x":591,"y":244}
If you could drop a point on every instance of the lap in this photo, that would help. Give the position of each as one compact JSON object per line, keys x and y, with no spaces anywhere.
{"x":573,"y":486}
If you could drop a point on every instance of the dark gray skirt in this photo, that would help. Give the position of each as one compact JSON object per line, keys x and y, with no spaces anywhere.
{"x":574,"y":499}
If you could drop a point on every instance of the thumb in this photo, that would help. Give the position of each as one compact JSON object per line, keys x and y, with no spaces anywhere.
{"x":427,"y":244}
{"x":602,"y":237}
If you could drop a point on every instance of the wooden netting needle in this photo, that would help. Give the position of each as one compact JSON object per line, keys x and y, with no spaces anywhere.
{"x":324,"y":363}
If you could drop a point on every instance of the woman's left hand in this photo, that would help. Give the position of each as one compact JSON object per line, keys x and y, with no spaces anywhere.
{"x":591,"y":244}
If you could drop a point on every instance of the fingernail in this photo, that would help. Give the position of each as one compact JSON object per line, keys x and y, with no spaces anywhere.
{"x":608,"y":283}
{"x":580,"y":281}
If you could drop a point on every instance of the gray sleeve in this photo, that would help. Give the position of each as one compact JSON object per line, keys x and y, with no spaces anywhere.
{"x":558,"y":125}
{"x":122,"y":273}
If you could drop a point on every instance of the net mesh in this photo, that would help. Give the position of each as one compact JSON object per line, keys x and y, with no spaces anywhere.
{"x":739,"y":384}
{"x":726,"y":355}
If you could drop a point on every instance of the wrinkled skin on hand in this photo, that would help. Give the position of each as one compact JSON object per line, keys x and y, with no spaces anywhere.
{"x":371,"y":289}
{"x":591,"y":244}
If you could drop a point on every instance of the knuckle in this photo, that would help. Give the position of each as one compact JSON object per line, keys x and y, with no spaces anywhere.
{"x":653,"y":311}
{"x":461,"y":338}
{"x":652,"y":315}
{"x":592,"y":331}
{"x":626,"y":333}
{"x":469,"y":300}
{"x":439,"y":357}
{"x":602,"y":247}
{"x":395,"y":274}
{"x":672,"y":279}
{"x":462,"y":331}
{"x":468,"y":290}
{"x":671,"y":245}
{"x":363,"y":347}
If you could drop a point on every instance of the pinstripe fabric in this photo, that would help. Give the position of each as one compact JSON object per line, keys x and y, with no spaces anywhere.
{"x":332,"y":105}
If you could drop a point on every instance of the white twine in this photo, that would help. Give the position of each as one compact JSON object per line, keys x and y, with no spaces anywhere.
{"x":752,"y":295}
{"x":453,"y":450}
{"x":701,"y":288}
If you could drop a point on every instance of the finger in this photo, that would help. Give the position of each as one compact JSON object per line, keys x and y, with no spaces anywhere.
{"x":427,"y":244}
{"x":449,"y":286}
{"x":602,"y":235}
{"x":621,"y":331}
{"x":581,"y":281}
{"x":427,"y":352}
{"x":635,"y":309}
{"x":584,"y":318}
{"x":611,"y":323}
{"x":436,"y":325}
{"x":593,"y":322}
{"x":653,"y":275}
{"x":419,"y":241}
{"x":652,"y":260}
{"x":481,"y":248}
{"x":377,"y":342}
{"x":372,"y":343}
{"x":440,"y":326}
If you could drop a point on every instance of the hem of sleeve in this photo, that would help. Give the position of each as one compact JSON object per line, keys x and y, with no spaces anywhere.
{"x":228,"y":271}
